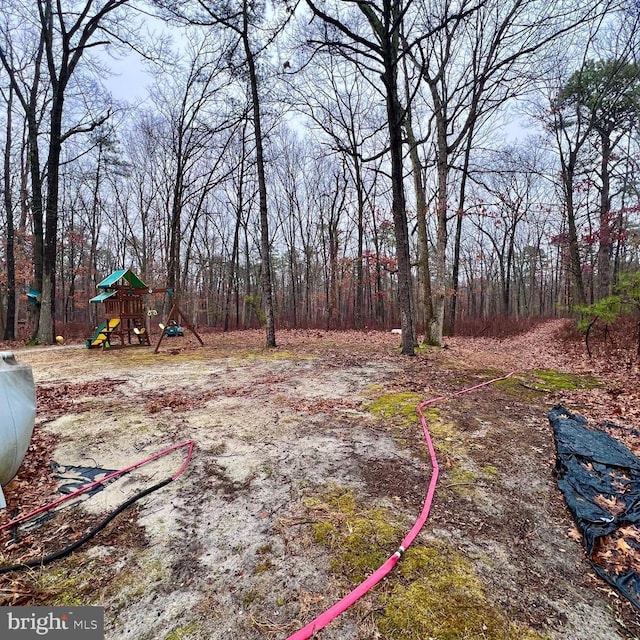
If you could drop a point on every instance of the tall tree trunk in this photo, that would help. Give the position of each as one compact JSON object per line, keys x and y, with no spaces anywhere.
{"x":61,"y":60}
{"x":442,"y":167}
{"x":94,"y":227}
{"x":265,"y":247}
{"x":10,"y":321}
{"x":175,"y":228}
{"x":385,"y":20}
{"x":577,"y":282}
{"x":333,"y":313}
{"x":37,"y":199}
{"x":400,"y":222}
{"x":424,"y":272}
{"x":395,"y":117}
{"x":232,"y":273}
{"x":450,"y":323}
{"x":46,"y":326}
{"x":359,"y":297}
{"x":605,"y":246}
{"x":378,"y":306}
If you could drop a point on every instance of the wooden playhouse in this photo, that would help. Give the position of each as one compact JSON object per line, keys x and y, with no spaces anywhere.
{"x":123,"y":319}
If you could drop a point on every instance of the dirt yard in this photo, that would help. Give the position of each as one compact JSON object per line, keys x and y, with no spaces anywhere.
{"x":309,"y":466}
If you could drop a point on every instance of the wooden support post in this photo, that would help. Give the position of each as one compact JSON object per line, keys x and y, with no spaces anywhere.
{"x":176,"y":314}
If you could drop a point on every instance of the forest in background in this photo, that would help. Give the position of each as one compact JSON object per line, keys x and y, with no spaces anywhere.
{"x":327,"y":164}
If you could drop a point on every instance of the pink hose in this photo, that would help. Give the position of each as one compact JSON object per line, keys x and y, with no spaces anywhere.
{"x":333,"y":612}
{"x":110,"y":476}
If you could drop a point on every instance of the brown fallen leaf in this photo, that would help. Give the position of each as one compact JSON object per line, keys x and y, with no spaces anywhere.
{"x":611,"y":504}
{"x":632,"y":531}
{"x":574,"y":534}
{"x":624,"y":547}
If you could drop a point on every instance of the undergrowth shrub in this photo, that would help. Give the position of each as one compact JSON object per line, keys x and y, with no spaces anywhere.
{"x":496,"y":326}
{"x":616,"y":341}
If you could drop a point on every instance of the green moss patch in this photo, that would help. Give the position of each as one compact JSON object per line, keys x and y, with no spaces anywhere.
{"x":435,"y":594}
{"x":62,"y":587}
{"x":266,"y":353}
{"x":462,"y":481}
{"x":72,"y":581}
{"x":452,"y":453}
{"x":263,"y":567}
{"x":441,"y":597}
{"x":142,"y":574}
{"x":360,"y":538}
{"x":528,"y":385}
{"x":190,"y":630}
{"x":398,"y":408}
{"x":559,"y":381}
{"x":446,"y":438}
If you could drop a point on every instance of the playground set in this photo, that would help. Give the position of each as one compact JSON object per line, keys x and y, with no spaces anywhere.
{"x":124,"y":318}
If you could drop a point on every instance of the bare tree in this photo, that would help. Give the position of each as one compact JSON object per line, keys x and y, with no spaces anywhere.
{"x":337,"y":103}
{"x":66,"y":35}
{"x":381,"y":54}
{"x":606,"y":95}
{"x":509,"y":187}
{"x":10,"y":321}
{"x":242,"y":23}
{"x":25,"y":77}
{"x":477,"y":61}
{"x":197,"y":126}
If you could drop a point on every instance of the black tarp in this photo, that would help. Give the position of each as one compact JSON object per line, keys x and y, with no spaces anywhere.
{"x":72,"y":478}
{"x":594,"y":470}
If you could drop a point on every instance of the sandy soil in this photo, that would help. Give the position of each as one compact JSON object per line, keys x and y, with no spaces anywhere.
{"x":227,"y":551}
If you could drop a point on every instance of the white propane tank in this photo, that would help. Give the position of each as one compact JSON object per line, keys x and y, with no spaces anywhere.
{"x":17,"y":416}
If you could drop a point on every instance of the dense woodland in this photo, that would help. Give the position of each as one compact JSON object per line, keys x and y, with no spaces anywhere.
{"x":410,"y":163}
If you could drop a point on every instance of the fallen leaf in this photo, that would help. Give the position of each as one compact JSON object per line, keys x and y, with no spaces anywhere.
{"x":574,"y":534}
